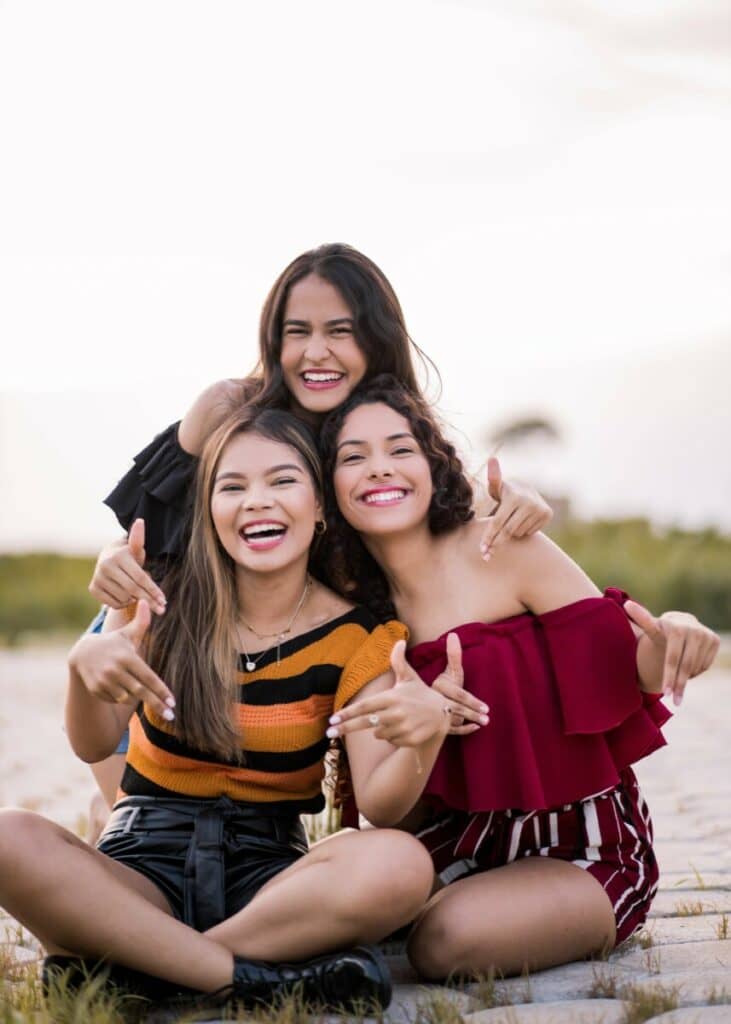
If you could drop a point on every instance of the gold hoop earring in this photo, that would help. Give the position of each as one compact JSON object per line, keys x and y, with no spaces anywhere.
{"x":320,"y":527}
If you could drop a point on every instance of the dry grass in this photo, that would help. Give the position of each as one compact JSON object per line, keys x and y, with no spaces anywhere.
{"x":689,"y":909}
{"x":438,"y":1007}
{"x":487,"y":992}
{"x":642,"y":1002}
{"x":22,"y":1002}
{"x":722,"y":927}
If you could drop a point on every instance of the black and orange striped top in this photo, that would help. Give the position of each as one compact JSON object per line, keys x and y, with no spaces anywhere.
{"x":282,"y":710}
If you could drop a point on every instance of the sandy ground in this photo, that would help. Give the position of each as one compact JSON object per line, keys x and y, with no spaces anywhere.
{"x":685,"y":947}
{"x":38,"y":769}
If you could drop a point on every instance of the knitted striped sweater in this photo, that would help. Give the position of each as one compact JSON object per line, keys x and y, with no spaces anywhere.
{"x":282,"y":711}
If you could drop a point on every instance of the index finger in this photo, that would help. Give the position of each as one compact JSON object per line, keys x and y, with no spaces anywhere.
{"x":367,"y":706}
{"x":454,"y":658}
{"x":150,"y":681}
{"x":143,"y":586}
{"x":494,"y":533}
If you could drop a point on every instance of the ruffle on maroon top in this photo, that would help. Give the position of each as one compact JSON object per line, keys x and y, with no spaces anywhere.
{"x":158,"y":489}
{"x":566,"y":711}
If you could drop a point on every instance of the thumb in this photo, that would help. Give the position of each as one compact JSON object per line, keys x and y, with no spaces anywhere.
{"x":136,"y":541}
{"x":644,"y":619}
{"x":454,"y":658}
{"x":136,"y":629}
{"x":494,"y":479}
{"x":399,"y":664}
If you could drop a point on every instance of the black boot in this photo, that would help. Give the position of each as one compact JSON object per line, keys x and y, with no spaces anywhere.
{"x":356,"y":980}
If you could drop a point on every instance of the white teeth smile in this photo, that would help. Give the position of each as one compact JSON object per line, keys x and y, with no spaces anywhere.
{"x":321,"y":378}
{"x":383,"y":497}
{"x":263,"y":530}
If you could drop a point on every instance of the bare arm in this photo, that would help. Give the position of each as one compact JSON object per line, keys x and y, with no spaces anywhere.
{"x":391,"y":758}
{"x":209,"y":411}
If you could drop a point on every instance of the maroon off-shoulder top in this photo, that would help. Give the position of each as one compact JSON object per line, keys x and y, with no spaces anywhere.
{"x":566,"y":711}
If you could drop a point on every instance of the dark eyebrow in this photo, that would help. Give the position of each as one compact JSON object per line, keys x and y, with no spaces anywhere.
{"x":274,"y":469}
{"x":328,"y":323}
{"x":391,"y":437}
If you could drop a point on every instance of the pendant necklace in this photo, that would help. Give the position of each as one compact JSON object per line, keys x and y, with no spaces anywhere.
{"x":251,"y":663}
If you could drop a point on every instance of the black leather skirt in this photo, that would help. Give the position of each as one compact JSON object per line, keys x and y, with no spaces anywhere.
{"x":209,"y":858}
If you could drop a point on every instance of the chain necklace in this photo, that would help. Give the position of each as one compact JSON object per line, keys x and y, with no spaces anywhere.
{"x":250,"y":662}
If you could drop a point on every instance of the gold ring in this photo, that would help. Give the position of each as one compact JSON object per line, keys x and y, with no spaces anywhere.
{"x":120,"y":700}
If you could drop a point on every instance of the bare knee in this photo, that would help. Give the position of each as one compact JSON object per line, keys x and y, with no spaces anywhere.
{"x":24,"y":838}
{"x":19,"y":830}
{"x":407,"y":868}
{"x":432,"y":947}
{"x":390,"y":881}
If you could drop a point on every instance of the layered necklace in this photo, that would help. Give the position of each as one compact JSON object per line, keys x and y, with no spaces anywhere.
{"x":279,"y":637}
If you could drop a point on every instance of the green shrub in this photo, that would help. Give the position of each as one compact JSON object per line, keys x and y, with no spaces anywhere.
{"x":45,"y":593}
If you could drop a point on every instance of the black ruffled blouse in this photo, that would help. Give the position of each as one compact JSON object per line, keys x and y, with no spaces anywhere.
{"x":158,"y":488}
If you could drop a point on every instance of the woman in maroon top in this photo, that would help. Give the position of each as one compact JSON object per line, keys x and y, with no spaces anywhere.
{"x":540,"y":838}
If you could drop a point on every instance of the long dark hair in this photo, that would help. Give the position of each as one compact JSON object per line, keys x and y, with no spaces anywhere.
{"x":192,"y":645}
{"x":350,"y":567}
{"x":379,"y":326}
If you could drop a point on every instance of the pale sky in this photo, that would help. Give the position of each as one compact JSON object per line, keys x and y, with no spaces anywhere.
{"x":546,"y":186}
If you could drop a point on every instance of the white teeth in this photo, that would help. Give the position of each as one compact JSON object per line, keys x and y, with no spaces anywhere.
{"x":381,"y":497}
{"x":257,"y":528}
{"x":320,"y":378}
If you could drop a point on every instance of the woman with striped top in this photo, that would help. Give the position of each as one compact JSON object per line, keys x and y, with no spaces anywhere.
{"x":537,"y":829}
{"x":202,"y":877}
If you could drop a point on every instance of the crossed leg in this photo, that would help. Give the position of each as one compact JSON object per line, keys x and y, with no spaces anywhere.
{"x":527,"y":915}
{"x":354,"y":888}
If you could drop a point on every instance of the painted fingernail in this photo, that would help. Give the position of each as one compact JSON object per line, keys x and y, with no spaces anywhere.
{"x":170,"y":701}
{"x":332,"y":733}
{"x":168,"y":715}
{"x":484,"y":719}
{"x":486,"y":556}
{"x":484,"y":708}
{"x":335,"y":719}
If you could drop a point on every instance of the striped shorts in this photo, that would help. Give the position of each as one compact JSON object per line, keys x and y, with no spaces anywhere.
{"x":609,"y":835}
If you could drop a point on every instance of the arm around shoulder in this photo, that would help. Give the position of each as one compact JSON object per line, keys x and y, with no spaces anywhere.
{"x":209,"y":411}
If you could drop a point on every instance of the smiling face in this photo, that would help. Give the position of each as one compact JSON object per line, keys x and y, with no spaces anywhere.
{"x":264,"y":504}
{"x":382,"y":479}
{"x":321,"y":360}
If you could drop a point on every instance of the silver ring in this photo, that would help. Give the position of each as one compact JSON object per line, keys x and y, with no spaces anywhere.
{"x":447,"y":709}
{"x":374,"y":719}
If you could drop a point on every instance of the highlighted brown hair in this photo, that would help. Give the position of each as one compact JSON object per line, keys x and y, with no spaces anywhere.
{"x":192,"y":645}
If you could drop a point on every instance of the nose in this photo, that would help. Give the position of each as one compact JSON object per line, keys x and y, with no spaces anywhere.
{"x":257,"y":496}
{"x":378,"y":467}
{"x":317,"y":348}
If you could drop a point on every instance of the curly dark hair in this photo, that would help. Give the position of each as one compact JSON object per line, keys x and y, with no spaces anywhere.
{"x":348,"y":566}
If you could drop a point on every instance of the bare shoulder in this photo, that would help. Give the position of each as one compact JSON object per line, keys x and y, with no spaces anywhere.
{"x":545,"y":576}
